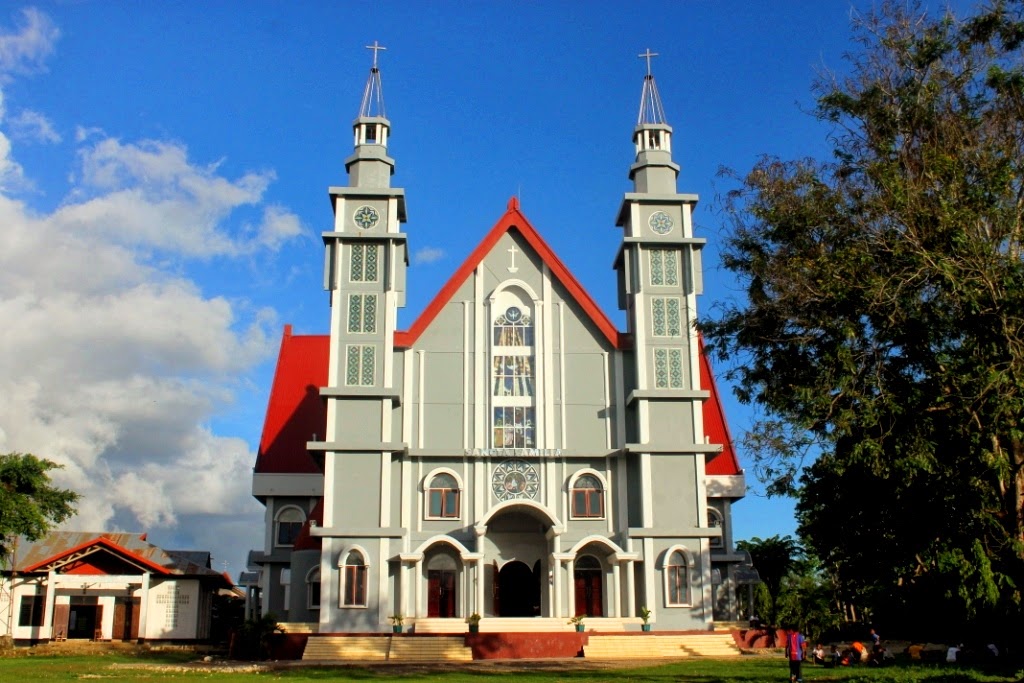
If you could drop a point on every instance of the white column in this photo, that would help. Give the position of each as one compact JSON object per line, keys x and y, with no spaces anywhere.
{"x":630,"y":589}
{"x":51,"y":598}
{"x":417,"y":578}
{"x":556,"y":567}
{"x":403,"y":587}
{"x":480,"y":585}
{"x":570,"y":580}
{"x":143,"y":605}
{"x":616,"y":591}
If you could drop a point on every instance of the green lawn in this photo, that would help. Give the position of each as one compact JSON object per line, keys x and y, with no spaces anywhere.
{"x":177,"y":667}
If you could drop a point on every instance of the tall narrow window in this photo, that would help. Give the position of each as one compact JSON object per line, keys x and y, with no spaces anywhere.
{"x":362,"y":313}
{"x":289,"y":524}
{"x":676,"y":583}
{"x":31,"y":612}
{"x":353,"y":580}
{"x":443,"y":497}
{"x":715,"y":522}
{"x":587,"y":497}
{"x":668,"y":368}
{"x":512,"y":379}
{"x":365,"y":258}
{"x":313,"y":588}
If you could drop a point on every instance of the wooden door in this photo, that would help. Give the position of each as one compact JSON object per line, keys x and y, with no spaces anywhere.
{"x":440,"y":593}
{"x":589,"y":596}
{"x":61,"y":614}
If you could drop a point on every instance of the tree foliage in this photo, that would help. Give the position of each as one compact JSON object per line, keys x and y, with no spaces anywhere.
{"x":773,"y":558}
{"x":29,"y":503}
{"x":883,"y":327}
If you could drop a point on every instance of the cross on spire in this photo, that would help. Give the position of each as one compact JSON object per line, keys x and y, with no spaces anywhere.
{"x":647,"y":55}
{"x":377,"y":48}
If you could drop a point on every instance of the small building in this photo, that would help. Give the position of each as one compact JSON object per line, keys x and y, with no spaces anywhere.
{"x":106,"y":586}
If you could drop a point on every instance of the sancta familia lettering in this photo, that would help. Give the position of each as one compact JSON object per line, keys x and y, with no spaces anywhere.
{"x":513,"y":452}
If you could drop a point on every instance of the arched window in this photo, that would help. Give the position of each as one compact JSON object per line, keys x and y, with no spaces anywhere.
{"x":289,"y":524}
{"x":313,"y":588}
{"x":353,"y":580}
{"x":443,"y":497}
{"x":715,"y":521}
{"x":513,"y":374}
{"x":587,"y":497}
{"x":677,"y":584}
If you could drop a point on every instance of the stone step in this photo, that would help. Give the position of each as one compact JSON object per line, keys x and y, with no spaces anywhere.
{"x":345,"y":648}
{"x":653,"y":645}
{"x":431,"y":649}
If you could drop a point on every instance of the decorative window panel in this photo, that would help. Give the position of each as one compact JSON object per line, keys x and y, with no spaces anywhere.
{"x":513,"y":376}
{"x":665,"y":317}
{"x":665,"y":267}
{"x":359,"y":365}
{"x":364,"y":263}
{"x":362,"y":313}
{"x":668,"y":368}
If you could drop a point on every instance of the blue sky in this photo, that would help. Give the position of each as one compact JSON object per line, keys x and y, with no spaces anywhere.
{"x":163,"y":177}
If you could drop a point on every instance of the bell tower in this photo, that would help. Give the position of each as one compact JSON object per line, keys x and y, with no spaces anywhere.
{"x":365,"y":266}
{"x":659,"y":278}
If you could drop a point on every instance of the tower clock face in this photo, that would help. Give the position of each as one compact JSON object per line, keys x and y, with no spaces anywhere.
{"x":515,"y":479}
{"x":366,"y":217}
{"x":660,"y":222}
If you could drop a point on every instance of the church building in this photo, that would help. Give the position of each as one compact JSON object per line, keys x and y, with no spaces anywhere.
{"x":512,"y":453}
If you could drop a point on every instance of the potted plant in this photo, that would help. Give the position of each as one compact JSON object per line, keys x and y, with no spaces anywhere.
{"x":397,"y":621}
{"x":474,"y":622}
{"x":577,"y":621}
{"x":645,"y":614}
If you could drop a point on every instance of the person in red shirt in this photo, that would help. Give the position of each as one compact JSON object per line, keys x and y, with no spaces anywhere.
{"x":796,"y":646}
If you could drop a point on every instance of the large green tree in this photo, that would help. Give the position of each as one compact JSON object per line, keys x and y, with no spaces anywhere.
{"x":29,"y":502}
{"x":882,"y":333}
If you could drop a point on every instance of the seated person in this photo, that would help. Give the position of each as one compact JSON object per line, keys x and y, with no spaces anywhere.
{"x":818,"y":654}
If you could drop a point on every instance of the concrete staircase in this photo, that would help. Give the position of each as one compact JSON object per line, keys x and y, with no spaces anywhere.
{"x":429,"y":649}
{"x":386,"y":648}
{"x":655,"y":645}
{"x":298,"y":627}
{"x":345,"y":648}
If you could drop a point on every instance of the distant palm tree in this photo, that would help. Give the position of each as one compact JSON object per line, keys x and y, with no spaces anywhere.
{"x":773,"y":559}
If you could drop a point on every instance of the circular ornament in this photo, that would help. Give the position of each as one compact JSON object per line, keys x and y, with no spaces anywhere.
{"x":515,"y":479}
{"x":366,"y":217}
{"x":660,"y":222}
{"x":513,"y":314}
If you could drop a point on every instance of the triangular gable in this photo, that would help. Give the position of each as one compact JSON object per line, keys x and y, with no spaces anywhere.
{"x":97,"y":556}
{"x":513,"y":220}
{"x":295,"y":410}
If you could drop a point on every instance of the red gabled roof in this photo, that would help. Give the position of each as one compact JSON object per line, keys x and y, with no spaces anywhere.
{"x":295,"y":411}
{"x":715,"y":426}
{"x":512,"y":220}
{"x":98,"y":543}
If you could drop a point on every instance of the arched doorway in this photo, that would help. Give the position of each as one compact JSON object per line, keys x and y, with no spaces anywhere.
{"x":442,"y":579}
{"x":588,"y":586}
{"x":518,"y":590}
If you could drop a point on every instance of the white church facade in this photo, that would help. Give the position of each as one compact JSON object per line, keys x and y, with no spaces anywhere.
{"x":511,"y":453}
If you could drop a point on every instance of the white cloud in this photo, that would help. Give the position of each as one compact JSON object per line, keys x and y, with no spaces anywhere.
{"x":33,"y":126}
{"x":428,"y":255}
{"x":24,"y":51}
{"x":112,"y":361}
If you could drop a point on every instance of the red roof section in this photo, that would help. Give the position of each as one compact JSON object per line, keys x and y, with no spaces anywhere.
{"x":106,"y":544}
{"x":715,"y":426}
{"x":295,"y":411}
{"x":512,"y":220}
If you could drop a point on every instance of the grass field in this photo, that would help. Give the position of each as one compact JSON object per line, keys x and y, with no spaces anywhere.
{"x":181,"y":666}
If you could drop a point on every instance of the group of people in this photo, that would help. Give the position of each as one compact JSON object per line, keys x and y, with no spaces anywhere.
{"x":858,"y":652}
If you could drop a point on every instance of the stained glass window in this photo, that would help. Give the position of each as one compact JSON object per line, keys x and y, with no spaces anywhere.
{"x":514,"y":427}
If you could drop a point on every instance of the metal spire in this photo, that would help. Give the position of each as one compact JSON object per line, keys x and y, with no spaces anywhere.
{"x":373,"y":94}
{"x":651,"y":110}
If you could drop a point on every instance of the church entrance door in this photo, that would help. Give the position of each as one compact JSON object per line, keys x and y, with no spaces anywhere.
{"x":440,"y":593}
{"x":588,"y":589}
{"x":519,"y":588}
